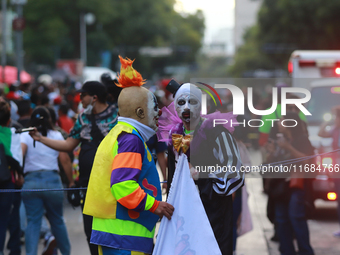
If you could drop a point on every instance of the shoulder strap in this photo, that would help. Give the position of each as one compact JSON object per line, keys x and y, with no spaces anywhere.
{"x":96,"y":133}
{"x":5,"y":174}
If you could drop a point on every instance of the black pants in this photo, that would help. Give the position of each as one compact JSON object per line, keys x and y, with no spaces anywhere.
{"x":87,"y":221}
{"x":14,"y":226}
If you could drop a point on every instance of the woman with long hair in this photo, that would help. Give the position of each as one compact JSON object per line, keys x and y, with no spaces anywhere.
{"x":290,"y":210}
{"x":41,"y":172}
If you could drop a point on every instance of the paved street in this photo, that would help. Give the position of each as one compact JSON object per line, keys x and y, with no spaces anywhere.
{"x":256,"y":242}
{"x":74,"y":224}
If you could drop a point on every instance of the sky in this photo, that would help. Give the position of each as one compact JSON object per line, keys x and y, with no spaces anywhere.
{"x":218,"y":14}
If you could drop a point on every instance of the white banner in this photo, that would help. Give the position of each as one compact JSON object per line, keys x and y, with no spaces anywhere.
{"x":189,"y":231}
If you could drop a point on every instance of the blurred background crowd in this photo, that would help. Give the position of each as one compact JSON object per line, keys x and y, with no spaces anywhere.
{"x":49,"y":49}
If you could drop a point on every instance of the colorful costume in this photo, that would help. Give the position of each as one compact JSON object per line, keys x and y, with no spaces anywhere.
{"x":124,"y":163}
{"x":124,"y":188}
{"x":91,"y":136}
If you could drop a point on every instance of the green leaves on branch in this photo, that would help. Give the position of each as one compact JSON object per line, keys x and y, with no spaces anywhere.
{"x":52,"y":28}
{"x":285,"y":25}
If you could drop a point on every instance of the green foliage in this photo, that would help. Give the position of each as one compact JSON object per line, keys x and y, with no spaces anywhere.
{"x":249,"y":56}
{"x":140,"y":23}
{"x":52,"y":30}
{"x":285,"y":25}
{"x":189,"y":31}
{"x":209,"y":67}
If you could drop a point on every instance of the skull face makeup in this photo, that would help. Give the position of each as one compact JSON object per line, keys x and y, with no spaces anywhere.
{"x":188,"y":108}
{"x":188,"y":104}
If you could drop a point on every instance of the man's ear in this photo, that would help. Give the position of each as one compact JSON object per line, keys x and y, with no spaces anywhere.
{"x":140,"y":113}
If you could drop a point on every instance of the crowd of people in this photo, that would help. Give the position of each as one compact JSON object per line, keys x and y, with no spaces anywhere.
{"x":54,"y":115}
{"x":112,"y":124}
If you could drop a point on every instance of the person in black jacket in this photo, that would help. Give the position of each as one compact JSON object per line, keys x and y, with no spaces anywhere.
{"x":290,"y":208}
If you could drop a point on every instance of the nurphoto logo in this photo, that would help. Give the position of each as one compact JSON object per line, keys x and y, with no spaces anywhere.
{"x":238,"y":104}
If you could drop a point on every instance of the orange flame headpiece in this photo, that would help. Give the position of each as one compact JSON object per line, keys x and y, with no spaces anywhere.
{"x":128,"y":76}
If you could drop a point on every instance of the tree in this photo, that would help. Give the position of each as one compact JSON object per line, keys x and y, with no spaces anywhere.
{"x":52,"y":29}
{"x":285,"y":25}
{"x":249,"y":56}
{"x":187,"y":32}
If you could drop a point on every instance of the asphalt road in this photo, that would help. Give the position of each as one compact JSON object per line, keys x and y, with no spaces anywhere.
{"x":256,"y":242}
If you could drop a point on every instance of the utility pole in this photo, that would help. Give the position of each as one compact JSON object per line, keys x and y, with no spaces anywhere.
{"x":84,"y":20}
{"x":19,"y":43}
{"x":18,"y":26}
{"x":83,"y":46}
{"x":4,"y":35}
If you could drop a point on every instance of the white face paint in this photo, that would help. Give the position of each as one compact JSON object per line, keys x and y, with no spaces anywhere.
{"x":153,"y":112}
{"x":188,"y":108}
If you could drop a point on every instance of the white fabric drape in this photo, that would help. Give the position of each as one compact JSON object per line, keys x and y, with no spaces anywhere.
{"x":189,"y":231}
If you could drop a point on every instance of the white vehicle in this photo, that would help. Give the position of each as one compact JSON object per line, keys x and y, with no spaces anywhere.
{"x":307,"y":65}
{"x":319,"y":72}
{"x":93,"y":73}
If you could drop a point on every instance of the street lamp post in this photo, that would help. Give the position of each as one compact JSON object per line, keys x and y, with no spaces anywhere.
{"x":83,"y":46}
{"x":4,"y":35}
{"x":18,"y":26}
{"x":85,"y":19}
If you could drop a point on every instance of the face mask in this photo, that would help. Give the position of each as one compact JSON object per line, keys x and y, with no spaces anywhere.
{"x":153,"y":112}
{"x":89,"y":108}
{"x":188,"y":108}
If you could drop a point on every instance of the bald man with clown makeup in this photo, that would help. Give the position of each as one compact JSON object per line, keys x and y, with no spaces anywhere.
{"x":124,"y":193}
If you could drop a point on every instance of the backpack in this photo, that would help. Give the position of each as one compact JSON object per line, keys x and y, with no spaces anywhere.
{"x":5,"y":173}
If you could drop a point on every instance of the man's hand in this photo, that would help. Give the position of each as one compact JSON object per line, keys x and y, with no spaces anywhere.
{"x":72,"y":185}
{"x":193,"y":172}
{"x":164,"y":209}
{"x":35,"y":135}
{"x":19,"y":180}
{"x":283,"y":143}
{"x":270,"y":145}
{"x":164,"y":186}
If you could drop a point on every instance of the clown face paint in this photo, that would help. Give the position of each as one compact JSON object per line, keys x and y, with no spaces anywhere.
{"x":153,"y":112}
{"x":188,"y":108}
